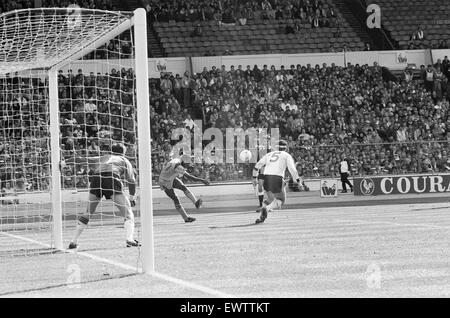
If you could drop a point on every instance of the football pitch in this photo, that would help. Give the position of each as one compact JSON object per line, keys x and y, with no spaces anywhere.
{"x":313,"y":248}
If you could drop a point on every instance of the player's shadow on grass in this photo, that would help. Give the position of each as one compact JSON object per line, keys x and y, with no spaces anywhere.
{"x":109,"y":248}
{"x":231,"y":226}
{"x":30,"y":252}
{"x":427,"y":209}
{"x":37,"y":289}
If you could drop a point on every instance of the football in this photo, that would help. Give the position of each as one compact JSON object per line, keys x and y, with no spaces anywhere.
{"x":245,"y":155}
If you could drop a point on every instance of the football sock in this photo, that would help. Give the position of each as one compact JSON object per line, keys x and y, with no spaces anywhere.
{"x":81,"y":225}
{"x":129,"y":229}
{"x":181,"y":210}
{"x":261,"y":199}
{"x":191,"y":196}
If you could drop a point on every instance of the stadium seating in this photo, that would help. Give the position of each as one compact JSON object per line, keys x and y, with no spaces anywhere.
{"x":403,"y":17}
{"x":255,"y":37}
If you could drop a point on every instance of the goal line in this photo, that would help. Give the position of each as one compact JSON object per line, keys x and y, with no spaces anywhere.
{"x":168,"y":278}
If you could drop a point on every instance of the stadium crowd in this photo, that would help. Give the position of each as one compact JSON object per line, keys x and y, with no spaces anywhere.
{"x":314,"y":12}
{"x":10,"y":5}
{"x":24,"y":153}
{"x":117,"y":48}
{"x":419,"y":41}
{"x":94,"y":110}
{"x":324,"y":112}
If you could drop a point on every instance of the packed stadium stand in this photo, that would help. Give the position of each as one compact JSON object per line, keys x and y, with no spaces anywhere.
{"x":404,"y":113}
{"x":361,"y":109}
{"x":324,"y":111}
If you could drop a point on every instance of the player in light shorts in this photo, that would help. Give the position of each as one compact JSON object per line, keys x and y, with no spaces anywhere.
{"x":275,"y":163}
{"x":168,"y":181}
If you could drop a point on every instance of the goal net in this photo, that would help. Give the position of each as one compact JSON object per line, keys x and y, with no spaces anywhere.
{"x":72,"y":83}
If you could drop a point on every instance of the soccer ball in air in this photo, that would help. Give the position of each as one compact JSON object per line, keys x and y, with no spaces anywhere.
{"x":245,"y":155}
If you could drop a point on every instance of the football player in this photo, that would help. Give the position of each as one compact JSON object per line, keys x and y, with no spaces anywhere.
{"x":260,"y":188}
{"x":107,"y":175}
{"x":275,"y":164}
{"x":169,"y":180}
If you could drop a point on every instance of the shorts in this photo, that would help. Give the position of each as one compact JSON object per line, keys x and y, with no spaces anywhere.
{"x":105,"y":184}
{"x":273,"y":183}
{"x":175,"y":184}
{"x":260,"y":176}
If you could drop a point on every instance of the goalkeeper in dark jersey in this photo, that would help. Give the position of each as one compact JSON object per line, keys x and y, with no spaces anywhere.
{"x":168,"y":181}
{"x":107,"y":175}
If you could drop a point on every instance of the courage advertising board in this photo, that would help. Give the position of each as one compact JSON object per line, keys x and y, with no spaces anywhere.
{"x":382,"y":185}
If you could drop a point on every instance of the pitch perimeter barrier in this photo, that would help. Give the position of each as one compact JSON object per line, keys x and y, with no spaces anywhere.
{"x":411,"y":184}
{"x":394,"y":60}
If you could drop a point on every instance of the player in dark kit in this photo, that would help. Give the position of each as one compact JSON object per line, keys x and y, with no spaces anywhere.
{"x":168,"y":181}
{"x":106,"y":180}
{"x":260,"y":188}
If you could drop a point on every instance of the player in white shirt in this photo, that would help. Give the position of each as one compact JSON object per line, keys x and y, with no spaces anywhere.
{"x":275,"y":164}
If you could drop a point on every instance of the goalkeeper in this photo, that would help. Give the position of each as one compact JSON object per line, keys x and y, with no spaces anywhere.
{"x":107,"y":174}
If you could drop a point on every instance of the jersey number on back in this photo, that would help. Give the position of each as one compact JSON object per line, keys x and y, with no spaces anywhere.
{"x":275,"y":156}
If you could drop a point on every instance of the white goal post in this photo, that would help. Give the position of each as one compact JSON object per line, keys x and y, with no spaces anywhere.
{"x":46,"y":39}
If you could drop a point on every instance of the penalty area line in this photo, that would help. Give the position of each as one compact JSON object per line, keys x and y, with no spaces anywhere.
{"x":165,"y":277}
